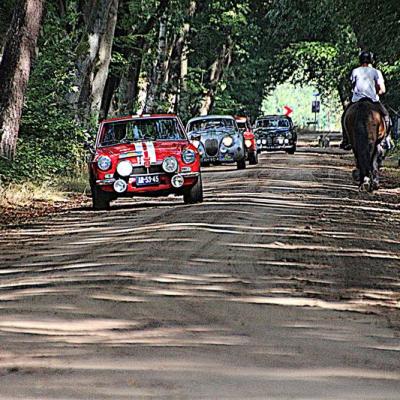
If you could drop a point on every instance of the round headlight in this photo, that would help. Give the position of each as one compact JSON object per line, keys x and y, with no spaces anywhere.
{"x":120,"y":186}
{"x":248,"y":143}
{"x":104,"y":163}
{"x":177,"y":181}
{"x":170,"y":165}
{"x":264,"y":141}
{"x":124,"y":168}
{"x":227,"y":141}
{"x":258,"y":141}
{"x":189,"y":156}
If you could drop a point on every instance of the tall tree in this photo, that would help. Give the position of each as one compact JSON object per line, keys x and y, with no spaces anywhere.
{"x":15,"y":68}
{"x":94,"y":55}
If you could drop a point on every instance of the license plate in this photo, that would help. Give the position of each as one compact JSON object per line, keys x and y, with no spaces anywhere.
{"x":147,"y":180}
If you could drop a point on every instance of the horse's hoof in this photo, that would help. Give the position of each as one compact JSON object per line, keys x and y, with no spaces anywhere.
{"x":366,"y":185}
{"x":375,"y":185}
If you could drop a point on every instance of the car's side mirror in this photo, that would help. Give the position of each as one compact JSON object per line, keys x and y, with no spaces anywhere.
{"x":89,"y":147}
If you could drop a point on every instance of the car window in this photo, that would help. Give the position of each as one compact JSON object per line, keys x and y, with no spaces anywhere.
{"x":204,"y":124}
{"x":272,"y":123}
{"x":141,"y":129}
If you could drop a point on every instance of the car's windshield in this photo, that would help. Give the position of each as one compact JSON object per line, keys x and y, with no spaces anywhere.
{"x":272,"y":123}
{"x":241,"y":125}
{"x":207,"y":123}
{"x":141,"y":129}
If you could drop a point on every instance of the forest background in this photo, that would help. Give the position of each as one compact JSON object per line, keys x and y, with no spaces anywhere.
{"x":100,"y":58}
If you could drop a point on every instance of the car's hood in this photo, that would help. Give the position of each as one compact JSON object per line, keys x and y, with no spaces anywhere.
{"x":138,"y":147}
{"x":213,"y":132}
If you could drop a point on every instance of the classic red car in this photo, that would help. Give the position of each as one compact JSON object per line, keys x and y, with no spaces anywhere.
{"x":249,"y":139}
{"x":148,"y":155}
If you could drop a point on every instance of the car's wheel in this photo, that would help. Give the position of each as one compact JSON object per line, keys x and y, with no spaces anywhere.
{"x":241,"y":164}
{"x":100,"y":199}
{"x":253,"y":158}
{"x":292,"y":150}
{"x":194,"y":194}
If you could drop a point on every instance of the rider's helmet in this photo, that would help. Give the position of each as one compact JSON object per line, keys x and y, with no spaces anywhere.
{"x":366,"y":57}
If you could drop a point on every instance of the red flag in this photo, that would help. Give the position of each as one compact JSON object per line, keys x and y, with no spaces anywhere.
{"x":287,"y":111}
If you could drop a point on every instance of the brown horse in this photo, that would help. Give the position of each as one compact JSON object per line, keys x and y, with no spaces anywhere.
{"x":366,"y":128}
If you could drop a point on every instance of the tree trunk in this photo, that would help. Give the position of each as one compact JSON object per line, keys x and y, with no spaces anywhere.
{"x":131,"y":91}
{"x":216,"y":74}
{"x":103,"y":61}
{"x":94,"y":60}
{"x":185,"y":47}
{"x":15,"y":67}
{"x":158,"y":72}
{"x":112,"y":84}
{"x":130,"y":81}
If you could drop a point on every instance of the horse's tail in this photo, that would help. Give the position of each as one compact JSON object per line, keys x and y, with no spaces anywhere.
{"x":362,"y":146}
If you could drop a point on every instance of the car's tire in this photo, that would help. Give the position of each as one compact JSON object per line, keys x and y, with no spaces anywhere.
{"x":100,"y":199}
{"x":241,"y":164}
{"x":253,"y":158}
{"x":292,"y":150}
{"x":194,"y":194}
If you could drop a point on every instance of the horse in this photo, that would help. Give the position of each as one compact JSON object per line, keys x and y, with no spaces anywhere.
{"x":366,"y":128}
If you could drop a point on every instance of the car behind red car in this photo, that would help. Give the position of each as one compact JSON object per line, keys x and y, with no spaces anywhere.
{"x":249,"y":139}
{"x":144,"y":155}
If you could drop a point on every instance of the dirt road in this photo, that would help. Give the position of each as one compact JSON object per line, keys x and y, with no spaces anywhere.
{"x":283,"y":284}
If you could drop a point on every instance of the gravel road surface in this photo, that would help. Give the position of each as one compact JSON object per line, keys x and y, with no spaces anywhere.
{"x":283,"y":284}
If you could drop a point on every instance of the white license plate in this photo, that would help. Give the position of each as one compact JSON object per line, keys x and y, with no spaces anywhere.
{"x":147,"y":180}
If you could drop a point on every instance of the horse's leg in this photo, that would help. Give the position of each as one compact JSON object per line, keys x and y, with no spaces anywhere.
{"x":375,"y":168}
{"x":356,"y":172}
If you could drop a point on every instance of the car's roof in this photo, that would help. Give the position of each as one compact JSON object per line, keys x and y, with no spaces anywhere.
{"x":240,"y":118}
{"x":139,"y":116}
{"x":211,"y":117}
{"x":275,"y":116}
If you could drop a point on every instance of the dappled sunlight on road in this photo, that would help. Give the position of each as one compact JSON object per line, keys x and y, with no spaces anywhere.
{"x":269,"y":265}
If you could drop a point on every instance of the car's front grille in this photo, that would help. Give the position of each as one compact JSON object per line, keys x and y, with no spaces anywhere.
{"x":154,"y":169}
{"x":211,"y":146}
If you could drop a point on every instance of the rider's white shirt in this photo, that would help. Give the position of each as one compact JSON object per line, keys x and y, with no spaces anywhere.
{"x":364,"y":80}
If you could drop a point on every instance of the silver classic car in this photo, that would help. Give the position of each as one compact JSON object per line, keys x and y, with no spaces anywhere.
{"x":274,"y":133}
{"x":218,"y":140}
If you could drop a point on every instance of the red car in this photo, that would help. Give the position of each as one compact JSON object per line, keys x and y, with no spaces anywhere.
{"x":249,"y":139}
{"x":147,"y":155}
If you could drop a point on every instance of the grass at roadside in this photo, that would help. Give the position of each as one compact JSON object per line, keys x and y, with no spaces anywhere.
{"x":20,"y":202}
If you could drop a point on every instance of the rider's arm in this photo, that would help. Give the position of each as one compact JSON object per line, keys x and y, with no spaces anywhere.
{"x":380,"y":83}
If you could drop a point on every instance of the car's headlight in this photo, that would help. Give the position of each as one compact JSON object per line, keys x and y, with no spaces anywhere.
{"x":124,"y":168}
{"x":248,"y":143}
{"x":227,"y":141}
{"x":189,"y":156}
{"x":104,"y":163}
{"x":170,"y":165}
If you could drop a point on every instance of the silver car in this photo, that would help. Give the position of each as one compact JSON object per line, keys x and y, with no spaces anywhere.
{"x":218,"y":140}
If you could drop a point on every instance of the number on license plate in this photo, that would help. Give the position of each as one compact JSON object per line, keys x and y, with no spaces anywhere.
{"x":147,"y":180}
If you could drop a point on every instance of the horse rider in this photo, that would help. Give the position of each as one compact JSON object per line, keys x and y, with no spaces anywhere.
{"x":368,"y":84}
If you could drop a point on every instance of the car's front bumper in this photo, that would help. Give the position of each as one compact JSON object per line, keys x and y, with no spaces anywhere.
{"x":275,"y":143}
{"x":165,"y":184}
{"x":223,"y":157}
